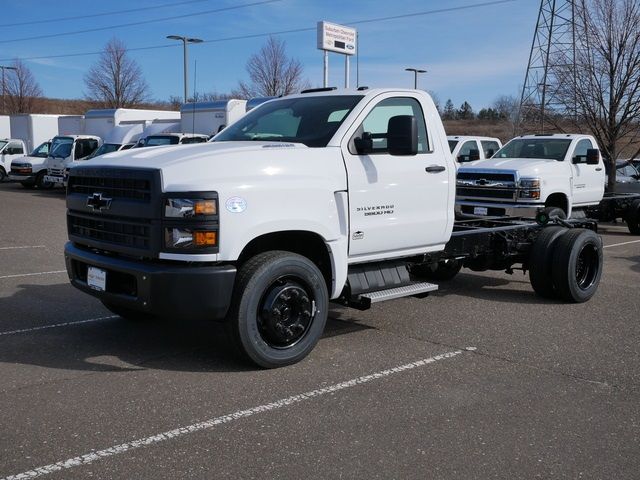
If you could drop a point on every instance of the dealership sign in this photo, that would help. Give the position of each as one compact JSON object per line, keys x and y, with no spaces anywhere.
{"x":336,"y":38}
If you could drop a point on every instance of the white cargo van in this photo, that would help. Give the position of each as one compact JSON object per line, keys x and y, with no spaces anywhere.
{"x":31,"y":170}
{"x":10,"y":149}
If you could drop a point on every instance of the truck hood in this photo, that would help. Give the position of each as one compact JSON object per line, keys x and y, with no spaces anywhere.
{"x":524,"y":166}
{"x":202,"y":165}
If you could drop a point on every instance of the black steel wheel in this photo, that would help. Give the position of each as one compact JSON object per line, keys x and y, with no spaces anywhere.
{"x":633,"y":217}
{"x":541,"y":261}
{"x":3,"y":174}
{"x":442,"y":271}
{"x":279,"y":308}
{"x":577,"y":265}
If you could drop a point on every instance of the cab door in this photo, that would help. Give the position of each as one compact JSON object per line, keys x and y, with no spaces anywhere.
{"x":588,"y":180}
{"x":397,"y":203}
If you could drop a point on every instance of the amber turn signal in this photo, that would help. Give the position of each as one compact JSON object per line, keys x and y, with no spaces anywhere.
{"x":204,"y":238}
{"x":205,"y":207}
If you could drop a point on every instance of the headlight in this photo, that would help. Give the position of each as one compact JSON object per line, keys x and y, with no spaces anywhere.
{"x":530,"y":183}
{"x":190,"y":238}
{"x":189,"y":207}
{"x":530,"y":188}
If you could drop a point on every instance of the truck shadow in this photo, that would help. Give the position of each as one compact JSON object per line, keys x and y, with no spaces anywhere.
{"x":484,"y":287}
{"x":114,"y":344}
{"x":634,"y":261}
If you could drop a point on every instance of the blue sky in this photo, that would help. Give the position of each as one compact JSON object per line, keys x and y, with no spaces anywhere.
{"x":473,"y":54}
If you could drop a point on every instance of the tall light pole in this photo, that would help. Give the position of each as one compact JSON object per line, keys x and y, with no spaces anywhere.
{"x":4,"y":84}
{"x":185,"y":40}
{"x":415,"y":71}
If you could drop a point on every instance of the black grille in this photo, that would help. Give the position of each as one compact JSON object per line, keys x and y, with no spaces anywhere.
{"x":485,"y":192}
{"x":499,"y":177}
{"x":126,"y":188}
{"x":129,"y":234}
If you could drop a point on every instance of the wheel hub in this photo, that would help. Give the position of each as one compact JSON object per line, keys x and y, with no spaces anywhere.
{"x":286,"y":314}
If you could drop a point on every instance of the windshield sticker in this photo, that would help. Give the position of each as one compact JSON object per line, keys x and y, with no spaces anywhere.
{"x":236,"y":204}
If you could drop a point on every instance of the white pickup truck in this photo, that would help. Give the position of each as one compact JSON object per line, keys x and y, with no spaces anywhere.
{"x":466,"y":148}
{"x":329,"y":195}
{"x":10,"y":149}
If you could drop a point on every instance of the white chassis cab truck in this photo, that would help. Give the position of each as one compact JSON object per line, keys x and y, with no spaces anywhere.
{"x":551,"y":174}
{"x":64,"y":151}
{"x":329,"y":195}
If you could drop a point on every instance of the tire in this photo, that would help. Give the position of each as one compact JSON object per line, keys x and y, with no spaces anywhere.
{"x":128,"y":313}
{"x":41,"y":183}
{"x":3,"y":174}
{"x":549,"y":212}
{"x":442,"y":271}
{"x":28,"y":185}
{"x":633,"y":218}
{"x":279,"y":308}
{"x":577,"y":265}
{"x":541,"y":261}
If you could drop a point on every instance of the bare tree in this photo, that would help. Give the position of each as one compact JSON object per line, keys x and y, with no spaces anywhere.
{"x":116,"y":80}
{"x":507,"y":107}
{"x":604,"y":90}
{"x":272,"y":72}
{"x":21,"y":88}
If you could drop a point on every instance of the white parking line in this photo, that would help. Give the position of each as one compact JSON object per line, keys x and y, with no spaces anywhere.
{"x":91,"y":457}
{"x":32,"y":274}
{"x":56,"y":325}
{"x":27,"y":246}
{"x":620,"y":244}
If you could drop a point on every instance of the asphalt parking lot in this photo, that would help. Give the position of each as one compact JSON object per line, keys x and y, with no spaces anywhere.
{"x":481,"y":380}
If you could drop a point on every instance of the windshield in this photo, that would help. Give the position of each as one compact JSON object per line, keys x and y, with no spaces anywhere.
{"x":41,"y":151}
{"x":61,"y":147}
{"x":161,"y":140}
{"x":544,"y":148}
{"x":104,"y":148}
{"x":2,"y":144}
{"x":311,"y":121}
{"x":452,"y":145}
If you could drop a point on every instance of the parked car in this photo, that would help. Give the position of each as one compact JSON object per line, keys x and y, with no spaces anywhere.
{"x":627,"y":177}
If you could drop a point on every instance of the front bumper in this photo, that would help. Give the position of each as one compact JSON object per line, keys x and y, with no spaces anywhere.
{"x":22,"y":177}
{"x":468,"y":207}
{"x":166,"y":289}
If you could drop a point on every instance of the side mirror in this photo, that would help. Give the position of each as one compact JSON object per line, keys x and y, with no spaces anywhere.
{"x":593,"y":156}
{"x":474,"y":155}
{"x":402,"y":135}
{"x":363,"y":144}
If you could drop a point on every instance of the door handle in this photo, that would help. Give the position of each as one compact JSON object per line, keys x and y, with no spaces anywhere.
{"x":435,"y":169}
{"x":598,"y":169}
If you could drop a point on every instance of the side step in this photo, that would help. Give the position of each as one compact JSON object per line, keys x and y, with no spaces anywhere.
{"x":366,"y":299}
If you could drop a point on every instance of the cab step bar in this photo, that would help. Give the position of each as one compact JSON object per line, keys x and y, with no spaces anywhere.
{"x":364,"y":301}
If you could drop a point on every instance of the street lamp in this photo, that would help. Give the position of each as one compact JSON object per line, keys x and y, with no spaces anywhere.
{"x":185,"y":40}
{"x":4,"y":85}
{"x":415,"y":71}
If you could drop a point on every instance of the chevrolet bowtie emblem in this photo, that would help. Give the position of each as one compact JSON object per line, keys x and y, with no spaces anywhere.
{"x":97,"y":203}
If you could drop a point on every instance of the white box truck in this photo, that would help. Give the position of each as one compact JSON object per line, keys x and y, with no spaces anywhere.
{"x":34,"y":129}
{"x":209,"y":118}
{"x":71,"y":125}
{"x":101,"y":122}
{"x":5,"y":126}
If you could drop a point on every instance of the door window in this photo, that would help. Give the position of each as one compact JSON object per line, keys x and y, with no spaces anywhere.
{"x":490,"y":147}
{"x":581,"y":149}
{"x":377,"y":123}
{"x":15,"y":148}
{"x":464,"y":155}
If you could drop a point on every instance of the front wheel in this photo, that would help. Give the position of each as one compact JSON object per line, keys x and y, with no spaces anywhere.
{"x":577,"y":265}
{"x":3,"y":174}
{"x":42,"y":183}
{"x":279,"y":308}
